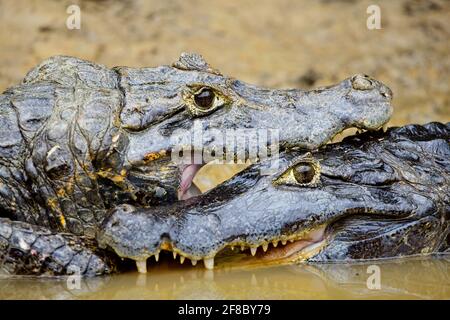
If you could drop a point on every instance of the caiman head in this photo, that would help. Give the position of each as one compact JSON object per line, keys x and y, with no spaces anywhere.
{"x":372,"y":196}
{"x":176,"y":118}
{"x":91,"y":138}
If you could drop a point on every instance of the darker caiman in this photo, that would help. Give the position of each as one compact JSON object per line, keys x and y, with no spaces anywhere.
{"x":375,"y":195}
{"x":78,"y":139}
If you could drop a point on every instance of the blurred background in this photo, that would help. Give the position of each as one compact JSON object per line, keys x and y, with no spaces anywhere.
{"x":280,"y":44}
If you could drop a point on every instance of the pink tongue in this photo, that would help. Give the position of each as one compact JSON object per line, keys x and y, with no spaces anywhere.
{"x":187,"y":176}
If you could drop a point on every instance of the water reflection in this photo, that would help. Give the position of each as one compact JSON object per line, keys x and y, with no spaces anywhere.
{"x":403,"y":279}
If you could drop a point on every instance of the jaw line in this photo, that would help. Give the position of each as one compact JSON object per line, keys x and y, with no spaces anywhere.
{"x":294,"y":248}
{"x":299,"y":248}
{"x":244,"y":260}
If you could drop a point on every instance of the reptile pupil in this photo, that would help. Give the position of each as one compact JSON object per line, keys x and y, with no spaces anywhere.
{"x":304,"y":173}
{"x":204,"y":100}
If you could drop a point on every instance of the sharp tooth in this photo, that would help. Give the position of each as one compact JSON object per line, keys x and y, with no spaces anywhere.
{"x":265,"y":247}
{"x":182,"y":259}
{"x":194,"y":262}
{"x":283,"y":242}
{"x":142,"y":266}
{"x":253,"y":250}
{"x":157,"y":256}
{"x":242,"y":248}
{"x":291,"y":240}
{"x":209,"y":263}
{"x":275,"y":243}
{"x":174,"y":255}
{"x":232,"y":248}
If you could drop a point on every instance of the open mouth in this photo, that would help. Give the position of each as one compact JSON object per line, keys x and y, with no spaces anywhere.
{"x":159,"y":168}
{"x":187,"y":189}
{"x":283,"y":250}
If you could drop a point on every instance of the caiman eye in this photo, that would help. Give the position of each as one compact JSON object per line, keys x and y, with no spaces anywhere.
{"x":305,"y":173}
{"x":204,"y":99}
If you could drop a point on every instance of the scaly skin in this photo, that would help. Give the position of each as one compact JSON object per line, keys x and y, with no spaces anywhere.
{"x":78,"y":139}
{"x":372,"y":196}
{"x":29,"y":249}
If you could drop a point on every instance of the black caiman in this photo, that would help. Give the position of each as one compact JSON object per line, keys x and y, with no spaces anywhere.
{"x":376,"y":195}
{"x":78,"y":139}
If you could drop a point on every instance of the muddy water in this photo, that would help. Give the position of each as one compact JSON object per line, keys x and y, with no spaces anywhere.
{"x":407,"y":279}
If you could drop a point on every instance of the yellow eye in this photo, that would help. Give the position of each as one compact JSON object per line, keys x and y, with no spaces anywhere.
{"x":304,"y":173}
{"x":202,"y":100}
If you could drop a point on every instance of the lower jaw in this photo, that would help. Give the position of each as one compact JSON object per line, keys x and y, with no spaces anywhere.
{"x":296,"y":252}
{"x":292,"y":249}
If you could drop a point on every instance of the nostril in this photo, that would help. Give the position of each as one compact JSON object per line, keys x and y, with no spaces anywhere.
{"x":127,"y":208}
{"x":165,"y":237}
{"x":386,"y":92}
